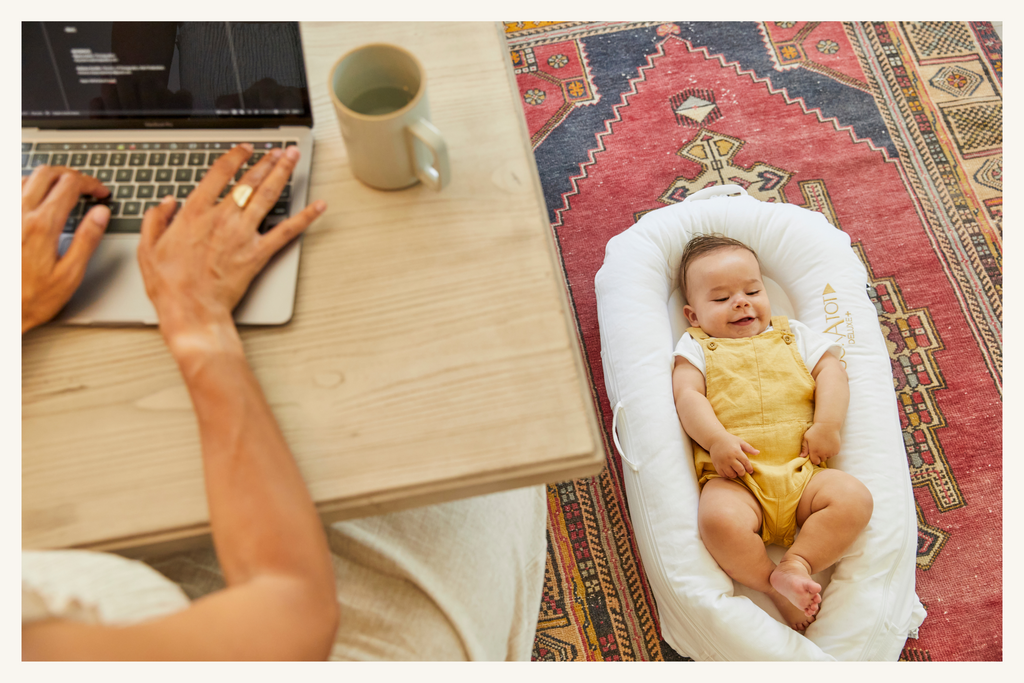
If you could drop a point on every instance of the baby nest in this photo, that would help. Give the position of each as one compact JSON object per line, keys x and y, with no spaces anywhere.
{"x":869,"y":606}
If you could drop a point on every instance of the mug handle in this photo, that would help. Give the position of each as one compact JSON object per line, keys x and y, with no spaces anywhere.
{"x":438,"y":174}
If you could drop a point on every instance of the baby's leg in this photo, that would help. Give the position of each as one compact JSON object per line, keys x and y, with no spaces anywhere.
{"x":729,"y":518}
{"x":833,"y":510}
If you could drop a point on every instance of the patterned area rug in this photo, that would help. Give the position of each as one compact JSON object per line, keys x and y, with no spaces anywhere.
{"x":894,"y":132}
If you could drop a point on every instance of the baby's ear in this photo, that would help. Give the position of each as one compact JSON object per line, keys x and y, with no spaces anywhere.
{"x":691,"y":315}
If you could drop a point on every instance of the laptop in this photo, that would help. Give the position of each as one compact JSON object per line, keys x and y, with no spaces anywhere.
{"x":147,"y":107}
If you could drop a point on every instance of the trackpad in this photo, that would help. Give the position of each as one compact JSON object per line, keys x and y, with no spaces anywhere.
{"x":112,"y":290}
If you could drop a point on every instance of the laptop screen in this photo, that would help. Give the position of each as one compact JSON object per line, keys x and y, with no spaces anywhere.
{"x":163,"y":75}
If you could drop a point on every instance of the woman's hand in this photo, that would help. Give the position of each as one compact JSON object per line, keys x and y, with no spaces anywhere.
{"x":48,"y":281}
{"x":198,"y":266}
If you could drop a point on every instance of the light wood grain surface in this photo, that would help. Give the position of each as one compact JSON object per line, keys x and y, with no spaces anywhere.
{"x":431,"y":355}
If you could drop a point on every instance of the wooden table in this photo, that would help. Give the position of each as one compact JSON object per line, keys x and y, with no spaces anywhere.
{"x":432,"y":354}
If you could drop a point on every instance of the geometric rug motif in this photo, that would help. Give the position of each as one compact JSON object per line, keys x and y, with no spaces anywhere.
{"x":913,"y":342}
{"x":714,"y":153}
{"x":977,"y":126}
{"x":955,"y":80}
{"x":813,"y":46}
{"x":930,"y":540}
{"x":969,"y":246}
{"x":695,"y":106}
{"x":893,"y":131}
{"x":555,"y":81}
{"x":991,"y":46}
{"x":991,"y":174}
{"x":932,"y":40}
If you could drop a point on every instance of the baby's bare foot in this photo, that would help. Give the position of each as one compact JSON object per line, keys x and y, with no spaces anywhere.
{"x":793,"y":581}
{"x":791,"y":614}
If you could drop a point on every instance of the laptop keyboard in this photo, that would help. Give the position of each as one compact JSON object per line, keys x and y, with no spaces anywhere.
{"x":140,"y":174}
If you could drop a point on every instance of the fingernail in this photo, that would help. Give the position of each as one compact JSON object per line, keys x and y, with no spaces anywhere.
{"x":292,"y":152}
{"x":101,"y":215}
{"x":275,"y":153}
{"x":320,"y":206}
{"x":247,"y":146}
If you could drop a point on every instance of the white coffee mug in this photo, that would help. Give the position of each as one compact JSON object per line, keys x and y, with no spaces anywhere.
{"x":379,"y":93}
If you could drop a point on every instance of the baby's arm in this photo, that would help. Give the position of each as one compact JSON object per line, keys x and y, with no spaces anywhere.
{"x":831,"y":399}
{"x":728,"y":452}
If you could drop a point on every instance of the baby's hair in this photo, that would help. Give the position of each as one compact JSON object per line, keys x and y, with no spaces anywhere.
{"x":702,"y":245}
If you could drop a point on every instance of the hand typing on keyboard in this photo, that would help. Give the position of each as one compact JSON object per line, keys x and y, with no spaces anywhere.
{"x":197,"y":266}
{"x":201,"y":261}
{"x":140,"y":174}
{"x":47,"y":281}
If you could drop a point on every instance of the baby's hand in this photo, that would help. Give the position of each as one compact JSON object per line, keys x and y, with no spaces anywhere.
{"x":821,"y":442}
{"x":727,"y":456}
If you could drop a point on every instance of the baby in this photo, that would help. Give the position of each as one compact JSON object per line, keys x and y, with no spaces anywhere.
{"x":763,"y":428}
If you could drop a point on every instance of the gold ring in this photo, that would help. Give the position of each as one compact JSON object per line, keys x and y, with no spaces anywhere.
{"x":241,"y":195}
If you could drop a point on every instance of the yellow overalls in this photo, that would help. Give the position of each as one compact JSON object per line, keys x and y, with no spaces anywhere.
{"x":762,"y":392}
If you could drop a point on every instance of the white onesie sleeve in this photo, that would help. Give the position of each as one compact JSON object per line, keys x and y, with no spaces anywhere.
{"x":690,"y":349}
{"x":812,"y":345}
{"x":809,"y":343}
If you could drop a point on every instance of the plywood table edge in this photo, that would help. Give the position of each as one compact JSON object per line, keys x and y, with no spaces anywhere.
{"x":420,"y":495}
{"x":196,"y":535}
{"x":587,"y":396}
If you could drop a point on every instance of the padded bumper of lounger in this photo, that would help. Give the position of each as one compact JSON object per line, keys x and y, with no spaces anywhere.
{"x":869,"y":606}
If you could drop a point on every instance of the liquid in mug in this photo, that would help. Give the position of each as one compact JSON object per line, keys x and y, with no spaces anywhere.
{"x":377,"y":101}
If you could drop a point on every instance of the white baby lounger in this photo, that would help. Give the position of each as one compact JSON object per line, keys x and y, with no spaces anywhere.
{"x":869,"y":606}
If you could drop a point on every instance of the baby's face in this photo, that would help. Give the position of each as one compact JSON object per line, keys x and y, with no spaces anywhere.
{"x":726,"y":294}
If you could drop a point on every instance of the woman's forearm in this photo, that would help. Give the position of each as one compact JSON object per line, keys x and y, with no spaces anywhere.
{"x":261,"y":513}
{"x":197,"y":263}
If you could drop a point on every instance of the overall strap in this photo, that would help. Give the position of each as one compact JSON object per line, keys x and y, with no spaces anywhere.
{"x":697,"y":333}
{"x":780,"y":323}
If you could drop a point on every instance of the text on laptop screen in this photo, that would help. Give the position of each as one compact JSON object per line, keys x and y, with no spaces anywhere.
{"x":175,"y":71}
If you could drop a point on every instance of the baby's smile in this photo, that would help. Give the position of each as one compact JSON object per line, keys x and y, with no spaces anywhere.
{"x":728,"y":295}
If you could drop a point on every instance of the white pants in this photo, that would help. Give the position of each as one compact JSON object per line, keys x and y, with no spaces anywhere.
{"x":455,"y":581}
